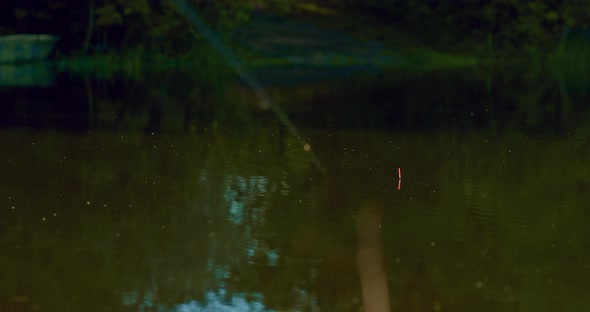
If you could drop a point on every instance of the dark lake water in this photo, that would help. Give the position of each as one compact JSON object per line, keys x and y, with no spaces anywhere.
{"x":169,"y":194}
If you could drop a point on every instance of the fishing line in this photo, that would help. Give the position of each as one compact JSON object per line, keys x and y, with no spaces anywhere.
{"x":248,"y":78}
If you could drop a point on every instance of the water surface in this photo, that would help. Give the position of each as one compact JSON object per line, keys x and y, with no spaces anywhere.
{"x":170,"y":195}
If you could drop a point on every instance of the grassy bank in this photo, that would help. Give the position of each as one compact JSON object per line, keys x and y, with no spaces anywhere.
{"x":206,"y":65}
{"x":135,"y":62}
{"x":400,"y":50}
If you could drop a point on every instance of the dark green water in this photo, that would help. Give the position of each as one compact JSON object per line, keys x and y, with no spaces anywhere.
{"x":170,"y":195}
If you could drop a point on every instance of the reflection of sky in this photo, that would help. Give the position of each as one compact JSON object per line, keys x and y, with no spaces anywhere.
{"x":220,"y":301}
{"x":243,"y":196}
{"x":216,"y":302}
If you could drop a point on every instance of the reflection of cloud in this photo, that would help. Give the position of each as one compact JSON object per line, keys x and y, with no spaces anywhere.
{"x":236,"y":209}
{"x":214,"y":301}
{"x":217,"y":302}
{"x":258,"y":247}
{"x":273,"y":257}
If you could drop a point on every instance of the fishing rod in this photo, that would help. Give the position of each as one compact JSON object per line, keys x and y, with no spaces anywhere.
{"x":246,"y":76}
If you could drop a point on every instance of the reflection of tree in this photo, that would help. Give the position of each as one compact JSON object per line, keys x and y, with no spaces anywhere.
{"x":171,"y":219}
{"x":123,"y":223}
{"x":497,"y":221}
{"x":500,"y":225}
{"x":178,"y":100}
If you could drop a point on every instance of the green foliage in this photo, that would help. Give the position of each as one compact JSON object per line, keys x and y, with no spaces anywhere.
{"x":513,"y":24}
{"x":108,"y":15}
{"x":462,"y":26}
